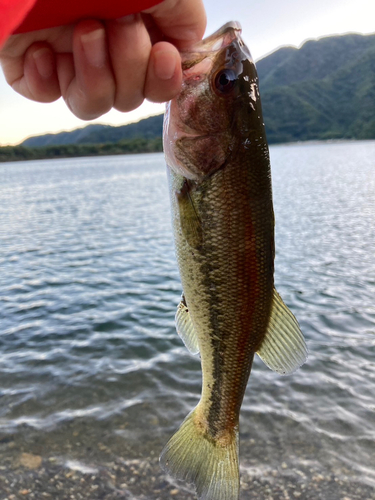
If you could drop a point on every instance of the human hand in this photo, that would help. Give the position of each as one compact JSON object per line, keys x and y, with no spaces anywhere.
{"x":96,"y":65}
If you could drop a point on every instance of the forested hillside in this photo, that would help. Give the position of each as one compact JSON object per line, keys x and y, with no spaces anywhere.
{"x":149,"y":128}
{"x":323,"y":90}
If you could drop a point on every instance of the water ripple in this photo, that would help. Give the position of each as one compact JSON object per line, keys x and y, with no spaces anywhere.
{"x":89,"y":287}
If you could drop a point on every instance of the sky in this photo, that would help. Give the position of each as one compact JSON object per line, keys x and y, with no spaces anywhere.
{"x":266,"y":24}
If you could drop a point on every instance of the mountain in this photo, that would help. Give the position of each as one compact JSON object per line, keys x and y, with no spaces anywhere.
{"x":73,"y":137}
{"x":323,"y":90}
{"x":149,"y":128}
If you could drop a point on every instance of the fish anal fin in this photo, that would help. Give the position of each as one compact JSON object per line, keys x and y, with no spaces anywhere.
{"x":185,"y":327}
{"x":283,"y":349}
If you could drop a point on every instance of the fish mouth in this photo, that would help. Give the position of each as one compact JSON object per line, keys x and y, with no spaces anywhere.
{"x":199,"y":59}
{"x":222,"y":38}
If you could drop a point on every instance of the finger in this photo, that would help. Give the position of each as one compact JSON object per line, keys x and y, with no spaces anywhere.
{"x":182,"y":21}
{"x":164,"y":74}
{"x":154,"y":32}
{"x":59,"y":39}
{"x":89,"y":90}
{"x":129,"y":48}
{"x":66,"y":71}
{"x":34,"y":76}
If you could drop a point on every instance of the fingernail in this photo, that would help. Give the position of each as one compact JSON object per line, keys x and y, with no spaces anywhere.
{"x":94,"y":47}
{"x":44,"y":62}
{"x":165,"y":63}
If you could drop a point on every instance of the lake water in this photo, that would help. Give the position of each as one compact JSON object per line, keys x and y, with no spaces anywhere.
{"x":93,"y":377}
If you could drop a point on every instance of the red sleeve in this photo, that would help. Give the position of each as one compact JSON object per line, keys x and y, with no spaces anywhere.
{"x":48,"y":14}
{"x":12,"y":12}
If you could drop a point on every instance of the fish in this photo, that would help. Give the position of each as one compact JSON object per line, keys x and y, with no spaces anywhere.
{"x":219,"y":179}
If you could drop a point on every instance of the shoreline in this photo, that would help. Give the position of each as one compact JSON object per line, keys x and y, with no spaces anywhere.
{"x":34,"y":476}
{"x":101,"y":150}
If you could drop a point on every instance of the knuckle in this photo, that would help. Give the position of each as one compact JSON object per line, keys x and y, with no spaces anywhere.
{"x":126,"y":103}
{"x":88,"y":109}
{"x":160,"y":95}
{"x":88,"y":104}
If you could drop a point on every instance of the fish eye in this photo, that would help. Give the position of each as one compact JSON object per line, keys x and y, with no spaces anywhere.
{"x":225,"y":81}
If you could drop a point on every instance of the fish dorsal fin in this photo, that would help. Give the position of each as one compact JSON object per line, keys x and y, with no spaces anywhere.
{"x":283,"y":348}
{"x":189,"y":220}
{"x":185,"y":327}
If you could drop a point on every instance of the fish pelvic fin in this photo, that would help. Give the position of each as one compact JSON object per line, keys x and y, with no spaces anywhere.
{"x":283,"y":349}
{"x":185,"y":327}
{"x":210,"y":464}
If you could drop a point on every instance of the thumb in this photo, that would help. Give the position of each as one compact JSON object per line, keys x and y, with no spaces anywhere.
{"x":182,"y":21}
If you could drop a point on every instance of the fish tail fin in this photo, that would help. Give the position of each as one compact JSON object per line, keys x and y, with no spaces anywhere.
{"x":210,"y":464}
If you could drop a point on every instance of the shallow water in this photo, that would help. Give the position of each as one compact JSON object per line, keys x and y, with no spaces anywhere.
{"x":94,"y":379}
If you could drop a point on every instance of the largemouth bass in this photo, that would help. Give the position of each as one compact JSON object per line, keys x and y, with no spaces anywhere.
{"x":220,"y":184}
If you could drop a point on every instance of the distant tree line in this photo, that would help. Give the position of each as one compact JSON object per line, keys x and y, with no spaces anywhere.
{"x":125,"y":146}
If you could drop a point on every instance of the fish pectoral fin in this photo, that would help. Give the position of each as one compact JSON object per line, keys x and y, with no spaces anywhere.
{"x":190,"y":223}
{"x":283,"y":349}
{"x":185,"y":327}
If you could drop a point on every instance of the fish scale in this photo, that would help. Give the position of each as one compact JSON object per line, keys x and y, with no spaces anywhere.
{"x":223,"y":224}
